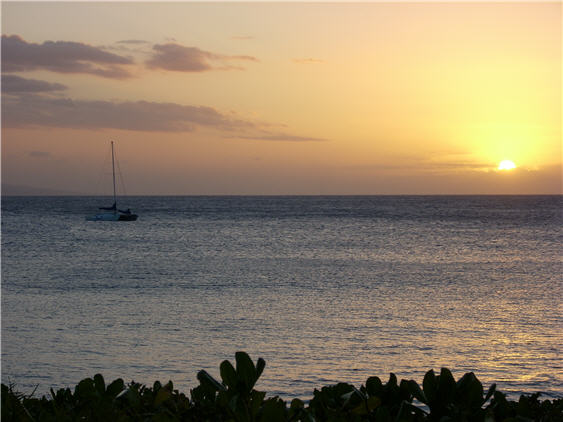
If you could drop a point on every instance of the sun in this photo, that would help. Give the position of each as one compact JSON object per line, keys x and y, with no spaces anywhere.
{"x":506,"y":165}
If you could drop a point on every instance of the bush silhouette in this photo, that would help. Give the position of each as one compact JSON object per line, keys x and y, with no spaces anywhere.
{"x":234,"y":398}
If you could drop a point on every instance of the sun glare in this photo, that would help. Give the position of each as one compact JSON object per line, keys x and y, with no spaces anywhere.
{"x":506,"y":165}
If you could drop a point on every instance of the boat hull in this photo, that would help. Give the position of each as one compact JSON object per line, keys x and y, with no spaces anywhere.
{"x":112,"y":217}
{"x":127,"y":217}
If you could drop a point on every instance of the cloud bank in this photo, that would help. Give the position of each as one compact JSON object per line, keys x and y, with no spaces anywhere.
{"x":19,"y":55}
{"x":32,"y":103}
{"x":280,"y":136}
{"x":176,"y":57}
{"x":66,"y":57}
{"x":36,"y":109}
{"x":13,"y":84}
{"x":32,"y":110}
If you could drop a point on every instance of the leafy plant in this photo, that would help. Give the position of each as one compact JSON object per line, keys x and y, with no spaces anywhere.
{"x":235,"y":398}
{"x":449,"y":400}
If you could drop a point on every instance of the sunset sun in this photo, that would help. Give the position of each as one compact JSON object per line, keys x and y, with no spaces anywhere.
{"x":506,"y":165}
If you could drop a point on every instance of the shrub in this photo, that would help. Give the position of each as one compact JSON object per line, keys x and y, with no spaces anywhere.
{"x":234,"y":398}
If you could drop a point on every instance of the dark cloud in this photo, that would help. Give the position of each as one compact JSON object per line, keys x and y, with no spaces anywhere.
{"x":178,"y":58}
{"x":61,"y":56}
{"x":40,"y":111}
{"x":13,"y":84}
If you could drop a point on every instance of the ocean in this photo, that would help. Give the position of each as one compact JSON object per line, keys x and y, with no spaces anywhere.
{"x":325,"y":289}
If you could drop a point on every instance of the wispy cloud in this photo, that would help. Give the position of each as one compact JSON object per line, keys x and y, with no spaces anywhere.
{"x":436,"y":167}
{"x":308,"y":60}
{"x":13,"y":84}
{"x":135,"y":42}
{"x":407,"y":164}
{"x":43,"y":111}
{"x":39,"y":154}
{"x":242,"y":37}
{"x":280,"y":136}
{"x":19,"y":55}
{"x":176,"y":57}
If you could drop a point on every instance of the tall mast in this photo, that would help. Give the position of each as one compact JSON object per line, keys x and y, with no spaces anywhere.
{"x":113,"y":172}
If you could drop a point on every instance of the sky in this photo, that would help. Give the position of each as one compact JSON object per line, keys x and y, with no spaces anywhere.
{"x":282,"y":98}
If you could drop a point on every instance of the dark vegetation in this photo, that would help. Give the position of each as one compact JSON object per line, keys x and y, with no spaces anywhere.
{"x":440,"y":398}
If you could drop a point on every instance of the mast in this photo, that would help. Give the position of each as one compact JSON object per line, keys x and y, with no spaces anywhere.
{"x":113,"y":172}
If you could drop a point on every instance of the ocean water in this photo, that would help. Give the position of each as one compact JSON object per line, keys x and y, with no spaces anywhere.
{"x":325,"y":289}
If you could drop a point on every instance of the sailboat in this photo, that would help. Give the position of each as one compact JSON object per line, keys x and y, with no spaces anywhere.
{"x":113,"y":214}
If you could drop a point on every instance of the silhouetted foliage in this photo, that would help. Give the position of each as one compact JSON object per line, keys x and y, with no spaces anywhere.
{"x":234,"y":398}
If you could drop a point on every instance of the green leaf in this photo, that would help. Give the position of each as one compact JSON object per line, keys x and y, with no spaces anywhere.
{"x":411,"y":408}
{"x":404,"y":391}
{"x":131,"y":396}
{"x":207,"y":380}
{"x":233,"y":402}
{"x":297,"y":404}
{"x":430,"y":386}
{"x":245,"y":370}
{"x":374,"y":386}
{"x":85,"y":389}
{"x":115,"y":387}
{"x":470,"y":390}
{"x":405,"y":411}
{"x":274,"y":410}
{"x":366,"y":406}
{"x":446,"y":386}
{"x":99,"y":384}
{"x":354,"y":398}
{"x":260,"y":365}
{"x":256,"y":400}
{"x":392,"y":383}
{"x":491,"y":391}
{"x":162,"y":395}
{"x":416,"y":391}
{"x":228,"y":374}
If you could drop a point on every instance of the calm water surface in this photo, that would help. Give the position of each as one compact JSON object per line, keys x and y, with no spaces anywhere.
{"x":325,"y":289}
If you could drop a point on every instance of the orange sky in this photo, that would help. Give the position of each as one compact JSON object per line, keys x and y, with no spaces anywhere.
{"x":283,"y":98}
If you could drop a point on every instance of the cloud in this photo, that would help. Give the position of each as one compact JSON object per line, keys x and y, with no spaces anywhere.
{"x":308,"y":60}
{"x":133,"y":42}
{"x":39,"y":154}
{"x":32,"y":110}
{"x":178,"y":58}
{"x":242,"y":37}
{"x":61,"y":56}
{"x":41,"y":111}
{"x":13,"y":84}
{"x":428,"y":166}
{"x":438,"y":167}
{"x":280,"y":136}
